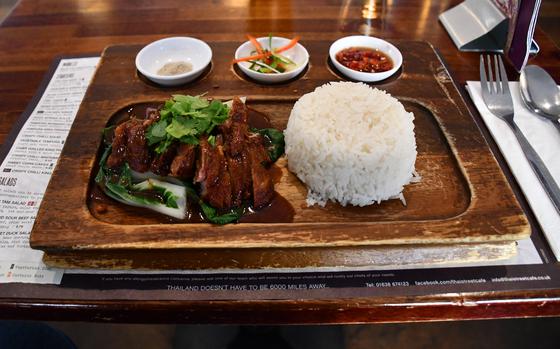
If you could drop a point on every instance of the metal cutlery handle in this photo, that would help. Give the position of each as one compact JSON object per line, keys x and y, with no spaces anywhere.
{"x":538,"y":166}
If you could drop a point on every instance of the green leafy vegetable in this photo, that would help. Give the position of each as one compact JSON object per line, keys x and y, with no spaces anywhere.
{"x":185,"y":119}
{"x":167,"y":191}
{"x":212,"y":140}
{"x":162,"y":146}
{"x":189,"y":140}
{"x":187,"y":126}
{"x":125,"y":179}
{"x":100,"y":177}
{"x":163,"y":197}
{"x":211,"y":213}
{"x":107,"y":134}
{"x":156,"y":132}
{"x":195,"y":102}
{"x":276,"y":139}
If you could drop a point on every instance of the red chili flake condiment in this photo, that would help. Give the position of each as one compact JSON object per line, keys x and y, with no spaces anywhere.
{"x":364,"y":59}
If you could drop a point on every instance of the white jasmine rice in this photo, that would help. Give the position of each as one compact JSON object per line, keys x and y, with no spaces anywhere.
{"x":351,"y":143}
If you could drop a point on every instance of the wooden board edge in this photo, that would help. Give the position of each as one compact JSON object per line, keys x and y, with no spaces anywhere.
{"x":305,"y":259}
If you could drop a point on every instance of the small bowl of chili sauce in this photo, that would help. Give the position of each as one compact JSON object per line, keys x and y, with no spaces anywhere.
{"x":365,"y":58}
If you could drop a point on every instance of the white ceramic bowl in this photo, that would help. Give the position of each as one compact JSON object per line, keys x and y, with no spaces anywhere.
{"x":369,"y":42}
{"x":176,"y":49}
{"x":298,"y":54}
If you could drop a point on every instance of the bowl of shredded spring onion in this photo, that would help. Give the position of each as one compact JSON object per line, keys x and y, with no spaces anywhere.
{"x":271,"y":59}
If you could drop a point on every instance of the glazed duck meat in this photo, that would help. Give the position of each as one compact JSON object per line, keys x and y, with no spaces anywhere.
{"x":213,"y":176}
{"x":227,"y":164}
{"x":129,"y":145}
{"x":184,"y":161}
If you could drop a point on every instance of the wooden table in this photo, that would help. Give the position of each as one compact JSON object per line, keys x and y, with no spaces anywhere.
{"x":37,"y":31}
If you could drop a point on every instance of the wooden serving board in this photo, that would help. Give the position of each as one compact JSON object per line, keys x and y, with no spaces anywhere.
{"x":463,"y":197}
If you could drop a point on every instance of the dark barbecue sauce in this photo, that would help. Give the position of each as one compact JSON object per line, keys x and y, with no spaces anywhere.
{"x":106,"y":209}
{"x":364,"y":59}
{"x":279,"y":211}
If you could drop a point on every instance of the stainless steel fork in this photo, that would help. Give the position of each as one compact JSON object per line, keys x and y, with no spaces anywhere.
{"x":496,"y":95}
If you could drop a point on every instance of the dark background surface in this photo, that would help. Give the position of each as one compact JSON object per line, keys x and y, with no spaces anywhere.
{"x":518,"y":333}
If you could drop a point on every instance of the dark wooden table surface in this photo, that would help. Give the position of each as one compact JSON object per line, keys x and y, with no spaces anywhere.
{"x":39,"y":30}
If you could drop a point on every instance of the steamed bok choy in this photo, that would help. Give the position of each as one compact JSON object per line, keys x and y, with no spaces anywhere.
{"x":154,"y":194}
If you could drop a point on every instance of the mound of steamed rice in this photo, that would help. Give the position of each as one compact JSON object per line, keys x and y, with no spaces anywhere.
{"x":351,"y":143}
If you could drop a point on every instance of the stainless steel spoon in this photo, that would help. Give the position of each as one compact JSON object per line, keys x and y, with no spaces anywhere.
{"x":540,"y":93}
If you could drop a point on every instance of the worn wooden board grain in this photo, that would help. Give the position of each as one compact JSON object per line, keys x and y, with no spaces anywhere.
{"x":302,"y":259}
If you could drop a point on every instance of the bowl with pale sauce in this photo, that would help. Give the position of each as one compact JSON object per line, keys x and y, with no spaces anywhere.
{"x":174,"y":61}
{"x":365,"y":58}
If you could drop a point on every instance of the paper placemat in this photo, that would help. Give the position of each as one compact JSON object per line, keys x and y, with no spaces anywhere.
{"x":28,"y":165}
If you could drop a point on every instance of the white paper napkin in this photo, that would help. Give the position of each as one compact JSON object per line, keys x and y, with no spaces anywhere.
{"x":545,"y":138}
